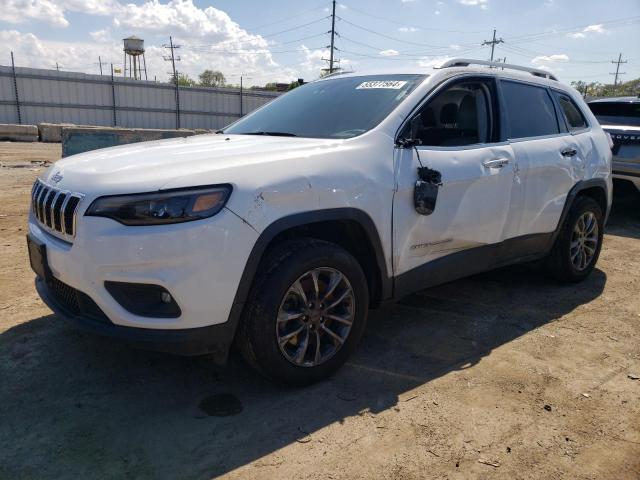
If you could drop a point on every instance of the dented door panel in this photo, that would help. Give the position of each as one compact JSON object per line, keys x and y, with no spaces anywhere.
{"x":472,"y":207}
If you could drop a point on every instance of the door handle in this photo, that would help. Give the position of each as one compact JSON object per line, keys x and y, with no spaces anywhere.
{"x":569,"y":152}
{"x":495,"y":163}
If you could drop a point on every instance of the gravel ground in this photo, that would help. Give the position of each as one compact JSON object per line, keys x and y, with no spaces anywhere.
{"x":502,"y":375}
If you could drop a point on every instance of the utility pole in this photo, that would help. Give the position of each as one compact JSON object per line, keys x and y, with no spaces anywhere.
{"x":240,"y":96}
{"x":618,"y":72}
{"x":57,"y":67}
{"x":173,"y":60}
{"x":100,"y":63}
{"x":493,"y":42}
{"x":333,"y":33}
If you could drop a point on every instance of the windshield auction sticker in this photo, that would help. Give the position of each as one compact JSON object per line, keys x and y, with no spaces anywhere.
{"x":392,"y":84}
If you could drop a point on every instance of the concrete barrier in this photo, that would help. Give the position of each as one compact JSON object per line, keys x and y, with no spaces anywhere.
{"x":52,"y":132}
{"x":18,"y":133}
{"x":82,"y":139}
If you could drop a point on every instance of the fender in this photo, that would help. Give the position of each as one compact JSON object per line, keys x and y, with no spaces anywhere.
{"x":571,"y":196}
{"x":298,"y":220}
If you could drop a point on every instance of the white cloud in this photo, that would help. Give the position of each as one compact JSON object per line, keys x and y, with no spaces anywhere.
{"x":407,"y":1}
{"x":437,"y":12}
{"x":596,"y":29}
{"x":389,"y":53}
{"x":455,"y":47}
{"x":53,"y":11}
{"x":101,"y":36}
{"x":544,"y":61}
{"x":427,"y":62}
{"x":407,"y":29}
{"x":18,"y":11}
{"x":483,"y":4}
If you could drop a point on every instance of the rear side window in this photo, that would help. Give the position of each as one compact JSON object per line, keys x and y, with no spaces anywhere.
{"x":572,"y":114}
{"x":529,"y":110}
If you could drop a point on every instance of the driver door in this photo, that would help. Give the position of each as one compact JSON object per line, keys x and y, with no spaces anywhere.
{"x":459,"y":139}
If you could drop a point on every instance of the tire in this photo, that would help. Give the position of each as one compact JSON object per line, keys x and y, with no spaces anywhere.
{"x":287,"y":269}
{"x":563,"y":261}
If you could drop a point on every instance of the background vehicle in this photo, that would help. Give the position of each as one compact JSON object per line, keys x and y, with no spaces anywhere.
{"x":282,"y":231}
{"x":620,"y":117}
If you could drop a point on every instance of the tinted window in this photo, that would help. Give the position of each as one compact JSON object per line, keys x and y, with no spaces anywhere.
{"x":617,"y":113}
{"x":333,"y":108}
{"x":530,"y":110}
{"x":572,"y":114}
{"x":457,"y":116}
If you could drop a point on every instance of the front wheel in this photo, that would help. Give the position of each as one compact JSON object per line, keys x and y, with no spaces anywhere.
{"x":578,"y":245}
{"x":306,"y":312}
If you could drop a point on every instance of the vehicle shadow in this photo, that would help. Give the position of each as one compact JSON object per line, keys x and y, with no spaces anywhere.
{"x":624,"y":219}
{"x":73,"y":405}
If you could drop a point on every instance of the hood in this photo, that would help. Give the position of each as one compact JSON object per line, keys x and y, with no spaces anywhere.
{"x":150,"y":166}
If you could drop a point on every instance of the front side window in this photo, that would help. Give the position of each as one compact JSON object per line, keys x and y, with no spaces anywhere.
{"x":334,"y":108}
{"x":458,"y":116}
{"x":529,"y":110}
{"x":572,"y":114}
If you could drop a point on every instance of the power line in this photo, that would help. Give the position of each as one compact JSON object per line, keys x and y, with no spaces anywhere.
{"x":388,"y":37}
{"x":405,"y":24}
{"x":291,"y":17}
{"x":618,"y":72}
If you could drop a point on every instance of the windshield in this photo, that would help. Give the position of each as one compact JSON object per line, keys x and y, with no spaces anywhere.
{"x":334,"y":108}
{"x":617,"y":113}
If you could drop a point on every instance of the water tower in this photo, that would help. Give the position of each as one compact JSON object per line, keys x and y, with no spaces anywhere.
{"x":134,"y":53}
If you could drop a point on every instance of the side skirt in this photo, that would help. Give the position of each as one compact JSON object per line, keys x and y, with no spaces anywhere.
{"x":472,"y":261}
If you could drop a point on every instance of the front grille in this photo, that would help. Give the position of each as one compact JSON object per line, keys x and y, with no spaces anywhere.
{"x":55,"y":209}
{"x":65,"y":295}
{"x":74,"y":302}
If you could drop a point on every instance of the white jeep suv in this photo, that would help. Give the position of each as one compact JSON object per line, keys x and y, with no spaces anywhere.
{"x":282,"y":231}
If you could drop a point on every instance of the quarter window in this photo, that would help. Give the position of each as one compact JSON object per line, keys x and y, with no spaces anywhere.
{"x":572,"y":114}
{"x":529,"y":109}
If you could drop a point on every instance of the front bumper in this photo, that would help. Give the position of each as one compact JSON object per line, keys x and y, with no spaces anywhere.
{"x":200,"y":263}
{"x":214,"y":339}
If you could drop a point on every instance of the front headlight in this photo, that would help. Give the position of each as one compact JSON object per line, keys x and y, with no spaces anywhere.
{"x":168,"y":206}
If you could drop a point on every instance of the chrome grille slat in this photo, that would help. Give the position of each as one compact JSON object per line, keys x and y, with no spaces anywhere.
{"x":55,"y":209}
{"x":48,"y":203}
{"x":40,"y":204}
{"x":62,"y":209}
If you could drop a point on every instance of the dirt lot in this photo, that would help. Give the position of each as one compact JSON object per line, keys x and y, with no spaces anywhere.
{"x":503,"y":375}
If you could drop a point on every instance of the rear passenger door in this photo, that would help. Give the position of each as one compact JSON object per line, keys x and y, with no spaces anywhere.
{"x":545,"y":164}
{"x":579,"y":147}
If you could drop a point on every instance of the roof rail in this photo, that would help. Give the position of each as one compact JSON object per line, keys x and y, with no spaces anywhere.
{"x":465,"y":62}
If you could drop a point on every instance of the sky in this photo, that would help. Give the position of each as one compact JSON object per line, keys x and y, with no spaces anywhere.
{"x":282,"y":40}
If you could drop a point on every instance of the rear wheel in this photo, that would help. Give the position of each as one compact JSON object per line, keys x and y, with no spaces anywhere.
{"x":306,"y":312}
{"x":578,"y":245}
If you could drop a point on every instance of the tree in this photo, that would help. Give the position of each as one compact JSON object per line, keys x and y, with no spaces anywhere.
{"x":184,"y":80}
{"x":212,"y":78}
{"x":597,"y":89}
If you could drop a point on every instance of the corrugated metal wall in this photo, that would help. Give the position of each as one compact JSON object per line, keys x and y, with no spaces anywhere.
{"x":65,"y":97}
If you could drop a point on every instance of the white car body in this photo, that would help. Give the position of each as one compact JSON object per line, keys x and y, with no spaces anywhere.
{"x":202,"y":263}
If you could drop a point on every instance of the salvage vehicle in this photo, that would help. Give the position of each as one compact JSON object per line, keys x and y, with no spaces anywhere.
{"x":620,"y":118}
{"x":281,"y":231}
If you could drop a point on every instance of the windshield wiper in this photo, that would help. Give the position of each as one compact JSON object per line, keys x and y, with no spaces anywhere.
{"x":273,"y":134}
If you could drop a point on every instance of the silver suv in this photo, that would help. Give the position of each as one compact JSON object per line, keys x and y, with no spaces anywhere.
{"x":620,"y":117}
